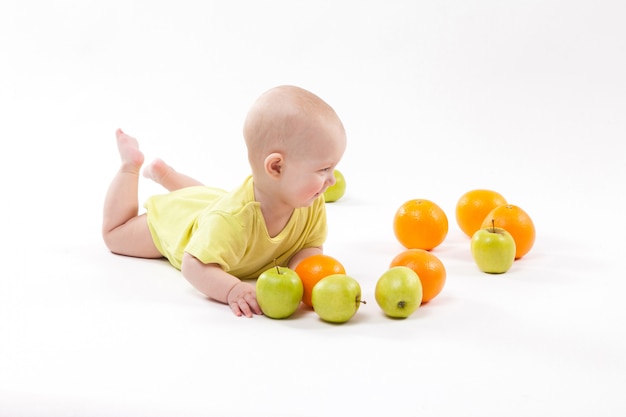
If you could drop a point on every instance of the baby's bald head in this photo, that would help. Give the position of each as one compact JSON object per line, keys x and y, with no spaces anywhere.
{"x":280,"y":119}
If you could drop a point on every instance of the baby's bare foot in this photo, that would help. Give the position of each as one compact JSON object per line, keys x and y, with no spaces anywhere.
{"x":157,"y":170}
{"x":128,"y":147}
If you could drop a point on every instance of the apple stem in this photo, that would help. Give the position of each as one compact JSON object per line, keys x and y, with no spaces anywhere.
{"x":276,"y":266}
{"x":493,"y":225}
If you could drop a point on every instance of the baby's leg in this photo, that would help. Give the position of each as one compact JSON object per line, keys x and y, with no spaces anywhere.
{"x":163,"y":174}
{"x":125,"y":232}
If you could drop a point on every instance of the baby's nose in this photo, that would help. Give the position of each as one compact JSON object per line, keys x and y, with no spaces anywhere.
{"x":331,"y":179}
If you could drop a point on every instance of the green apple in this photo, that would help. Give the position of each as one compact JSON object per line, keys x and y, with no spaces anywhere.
{"x":337,"y":190}
{"x":279,"y":292}
{"x":336,"y":298}
{"x":399,"y":292}
{"x":493,"y":249}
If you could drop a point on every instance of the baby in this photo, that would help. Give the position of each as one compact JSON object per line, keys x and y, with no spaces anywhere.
{"x":219,"y":239}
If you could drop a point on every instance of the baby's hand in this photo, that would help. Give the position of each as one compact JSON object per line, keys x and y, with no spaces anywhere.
{"x":242,"y":300}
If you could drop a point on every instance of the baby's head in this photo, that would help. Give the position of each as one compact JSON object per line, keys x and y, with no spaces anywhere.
{"x":290,"y":131}
{"x":289,"y":120}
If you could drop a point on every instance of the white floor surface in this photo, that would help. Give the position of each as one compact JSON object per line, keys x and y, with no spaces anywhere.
{"x":527,"y":98}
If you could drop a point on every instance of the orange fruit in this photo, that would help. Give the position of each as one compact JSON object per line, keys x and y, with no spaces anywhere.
{"x":473,"y":206}
{"x":428,"y":267}
{"x":420,"y":224}
{"x":517,"y":222}
{"x":312,"y":269}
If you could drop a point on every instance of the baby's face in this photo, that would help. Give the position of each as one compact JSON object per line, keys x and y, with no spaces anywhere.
{"x":309,"y":169}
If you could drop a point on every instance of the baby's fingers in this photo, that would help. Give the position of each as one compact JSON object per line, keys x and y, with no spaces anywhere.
{"x":249,"y":305}
{"x":241,"y":308}
{"x":253,"y":304}
{"x":242,"y":300}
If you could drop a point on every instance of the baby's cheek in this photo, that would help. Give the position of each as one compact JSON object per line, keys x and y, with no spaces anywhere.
{"x":312,"y":188}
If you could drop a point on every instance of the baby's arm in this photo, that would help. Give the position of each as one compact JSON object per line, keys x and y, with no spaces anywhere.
{"x":212,"y":281}
{"x":302,"y":254}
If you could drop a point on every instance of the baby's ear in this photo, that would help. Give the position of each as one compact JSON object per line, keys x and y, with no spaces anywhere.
{"x":274,"y":164}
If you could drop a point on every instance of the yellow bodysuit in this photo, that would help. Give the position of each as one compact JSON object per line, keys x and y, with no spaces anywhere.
{"x":228,"y":229}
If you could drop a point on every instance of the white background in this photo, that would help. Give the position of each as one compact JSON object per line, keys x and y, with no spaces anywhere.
{"x":438,"y":97}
